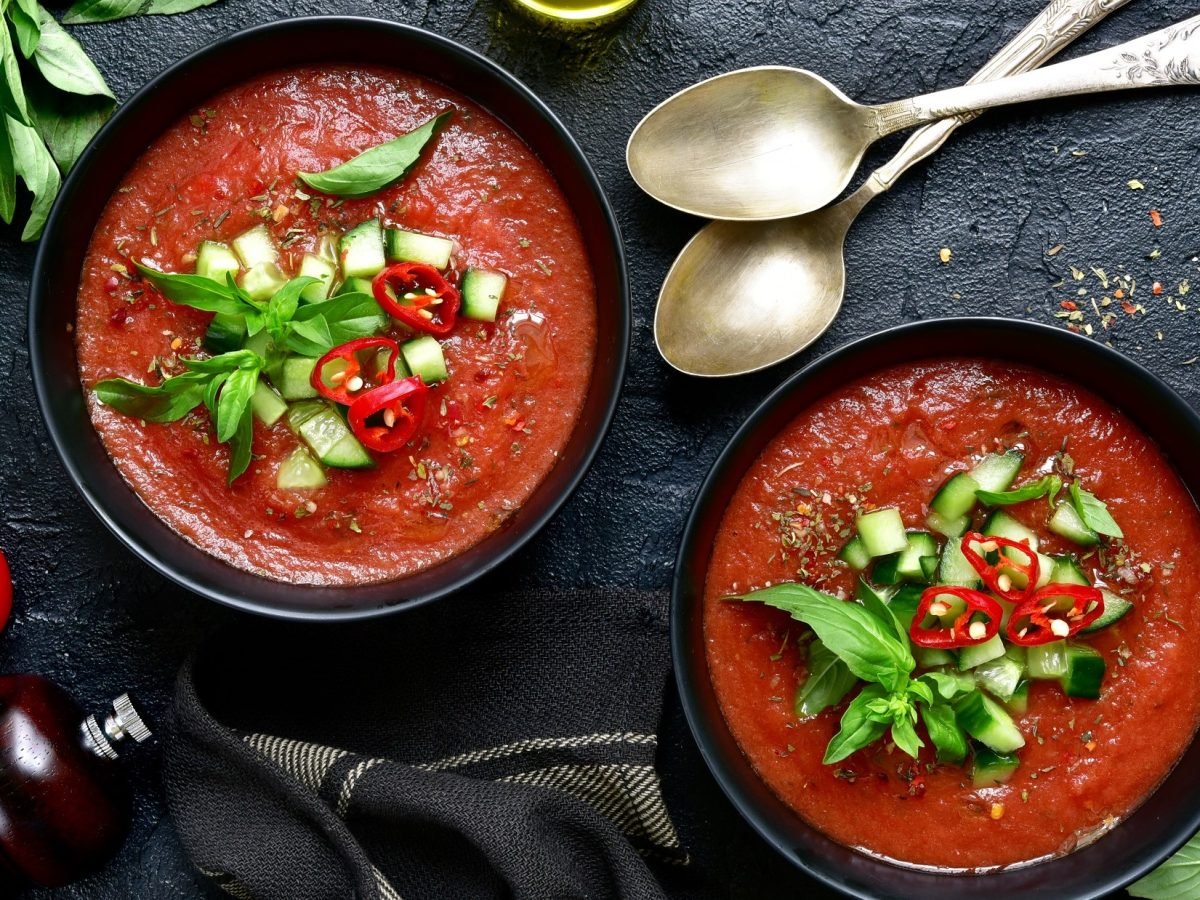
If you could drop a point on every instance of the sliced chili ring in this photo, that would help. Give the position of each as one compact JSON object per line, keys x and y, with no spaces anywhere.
{"x":351,"y":369}
{"x":1046,"y":616}
{"x":999,"y":576}
{"x":977,"y":619}
{"x":419,"y":296}
{"x":387,"y":417}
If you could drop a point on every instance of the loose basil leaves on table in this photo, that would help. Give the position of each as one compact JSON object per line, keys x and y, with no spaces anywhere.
{"x":53,"y":99}
{"x":377,"y":167}
{"x":1176,"y":879}
{"x":875,"y":650}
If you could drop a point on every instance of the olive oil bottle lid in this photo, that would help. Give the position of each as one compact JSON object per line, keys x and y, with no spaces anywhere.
{"x":124,"y":722}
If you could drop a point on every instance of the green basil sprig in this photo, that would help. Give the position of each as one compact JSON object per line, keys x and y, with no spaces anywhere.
{"x":1094,"y":512}
{"x":377,"y":167}
{"x":86,"y":12}
{"x":1176,"y":879}
{"x":871,"y":643}
{"x":1048,"y":486}
{"x":225,"y":384}
{"x":828,"y":682}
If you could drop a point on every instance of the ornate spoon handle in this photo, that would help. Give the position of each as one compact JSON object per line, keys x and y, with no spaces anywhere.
{"x":1056,"y":26}
{"x":1170,"y":56}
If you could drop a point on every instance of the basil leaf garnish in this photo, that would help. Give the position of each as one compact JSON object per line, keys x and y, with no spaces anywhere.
{"x":948,"y":686}
{"x":283,"y":305}
{"x":904,"y":734}
{"x":8,"y":174}
{"x":12,"y":94}
{"x":32,"y":161}
{"x":86,"y":12}
{"x":1094,"y":512}
{"x":241,"y":445}
{"x":1047,"y":486}
{"x":1176,"y":879}
{"x":63,"y":62}
{"x":66,"y":122}
{"x":234,"y":401}
{"x":319,"y":327}
{"x":195,"y":291}
{"x":878,"y":607}
{"x":226,"y":362}
{"x":24,"y":16}
{"x":827,"y":684}
{"x":868,"y":646}
{"x":948,"y":739}
{"x":376,"y":168}
{"x":167,"y":402}
{"x":860,"y":726}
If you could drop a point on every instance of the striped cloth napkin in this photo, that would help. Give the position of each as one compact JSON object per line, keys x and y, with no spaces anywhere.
{"x":484,"y":746}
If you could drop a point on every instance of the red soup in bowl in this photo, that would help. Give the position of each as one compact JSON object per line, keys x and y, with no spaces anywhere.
{"x":331,"y":375}
{"x":946,"y":607}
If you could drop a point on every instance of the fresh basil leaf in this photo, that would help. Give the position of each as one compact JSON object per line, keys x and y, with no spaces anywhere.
{"x":1176,"y":879}
{"x":859,"y":727}
{"x":24,"y":16}
{"x":167,"y":402}
{"x":867,"y":646}
{"x":283,"y":305}
{"x":948,"y":686}
{"x":8,"y":174}
{"x":827,"y":683}
{"x":171,"y":7}
{"x":12,"y":94}
{"x":310,"y":337}
{"x":226,"y":362}
{"x":86,"y":12}
{"x":63,"y":62}
{"x":1094,"y":512}
{"x":376,"y":168}
{"x":921,"y":690}
{"x":874,"y":604}
{"x":319,"y":327}
{"x":66,"y":122}
{"x":948,"y":739}
{"x":904,"y":735}
{"x":234,"y":401}
{"x":241,"y":445}
{"x":195,"y":291}
{"x":36,"y":167}
{"x":212,"y":393}
{"x":1050,"y":484}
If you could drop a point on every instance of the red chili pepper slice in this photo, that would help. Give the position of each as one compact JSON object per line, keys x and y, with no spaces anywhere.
{"x":386,"y":418}
{"x":998,"y":577}
{"x":966,"y":630}
{"x":1045,"y":617}
{"x":348,"y":370}
{"x":419,"y":296}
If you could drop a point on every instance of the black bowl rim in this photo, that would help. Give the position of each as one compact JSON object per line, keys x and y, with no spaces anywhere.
{"x":77,"y":176}
{"x":686,"y":674}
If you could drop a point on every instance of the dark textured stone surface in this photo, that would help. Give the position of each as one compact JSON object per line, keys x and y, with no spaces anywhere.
{"x":1000,"y":195}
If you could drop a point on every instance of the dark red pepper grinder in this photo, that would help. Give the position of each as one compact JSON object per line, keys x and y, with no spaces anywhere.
{"x":64,"y":800}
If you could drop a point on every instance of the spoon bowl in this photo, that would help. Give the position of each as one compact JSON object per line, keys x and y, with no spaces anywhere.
{"x":755,"y":144}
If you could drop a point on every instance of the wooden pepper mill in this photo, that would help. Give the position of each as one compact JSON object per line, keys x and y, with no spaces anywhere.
{"x":65,"y":804}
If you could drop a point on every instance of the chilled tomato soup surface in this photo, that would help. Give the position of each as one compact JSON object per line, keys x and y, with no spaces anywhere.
{"x":891,"y":439}
{"x":493,"y":430}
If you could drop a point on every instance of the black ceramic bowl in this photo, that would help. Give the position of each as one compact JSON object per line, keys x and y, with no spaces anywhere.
{"x":1166,"y":820}
{"x":184,"y":86}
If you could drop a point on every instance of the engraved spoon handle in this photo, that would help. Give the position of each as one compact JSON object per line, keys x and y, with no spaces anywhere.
{"x":1169,"y":56}
{"x":1056,"y":26}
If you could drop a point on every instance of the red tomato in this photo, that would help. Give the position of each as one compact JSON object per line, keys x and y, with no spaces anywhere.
{"x":5,"y":592}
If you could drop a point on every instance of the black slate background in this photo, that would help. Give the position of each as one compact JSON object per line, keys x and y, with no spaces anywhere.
{"x":1000,"y":195}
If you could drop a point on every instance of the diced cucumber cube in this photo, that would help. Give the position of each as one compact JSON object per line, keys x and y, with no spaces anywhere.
{"x":256,"y":247}
{"x":978,"y":654}
{"x":424,"y":357}
{"x":1019,"y":702}
{"x":953,"y":568}
{"x":1085,"y":671}
{"x":951,"y":528}
{"x":482,"y":291}
{"x":226,"y":333}
{"x":362,"y":250}
{"x":268,"y":406}
{"x":294,"y":379}
{"x":1000,"y":676}
{"x":1115,"y":609}
{"x":956,"y":497}
{"x":882,"y":531}
{"x":997,"y":471}
{"x":988,"y":722}
{"x":990,"y":768}
{"x":357,"y":286}
{"x":1047,"y":661}
{"x":907,"y":565}
{"x":412,"y":246}
{"x":854,"y":554}
{"x":324,"y":270}
{"x":300,"y":472}
{"x":328,"y":436}
{"x":262,"y":281}
{"x":1067,"y":523}
{"x":216,"y":261}
{"x":933,"y":657}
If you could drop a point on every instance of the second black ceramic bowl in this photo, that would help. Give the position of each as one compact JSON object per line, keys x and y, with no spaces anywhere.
{"x":169,"y":97}
{"x":1165,"y":821}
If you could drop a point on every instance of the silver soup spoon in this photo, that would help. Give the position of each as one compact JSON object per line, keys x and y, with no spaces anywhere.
{"x":770,"y":142}
{"x":791,"y":271}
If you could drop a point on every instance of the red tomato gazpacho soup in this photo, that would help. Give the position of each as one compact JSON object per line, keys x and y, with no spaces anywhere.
{"x":948,"y":618}
{"x":336,"y":325}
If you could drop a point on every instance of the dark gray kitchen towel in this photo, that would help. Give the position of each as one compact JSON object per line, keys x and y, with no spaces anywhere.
{"x":483,"y":746}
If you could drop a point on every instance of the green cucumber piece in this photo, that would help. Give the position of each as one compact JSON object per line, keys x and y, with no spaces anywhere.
{"x":990,"y":769}
{"x":865,"y":590}
{"x":324,"y":270}
{"x":412,"y":246}
{"x":933,"y":657}
{"x":956,"y":497}
{"x":362,"y":250}
{"x":1067,"y":570}
{"x":907,"y":565}
{"x":1115,"y":609}
{"x":1003,"y":524}
{"x":854,"y":554}
{"x":1067,"y":523}
{"x":294,"y":380}
{"x":226,"y":333}
{"x":216,"y":261}
{"x":357,"y":286}
{"x":951,"y":528}
{"x":328,"y":436}
{"x":1019,"y":702}
{"x":997,"y":471}
{"x":1000,"y":676}
{"x":268,"y":406}
{"x":988,"y":722}
{"x":256,"y":247}
{"x":953,"y":568}
{"x":262,"y":281}
{"x":1047,"y":661}
{"x":424,"y":357}
{"x":882,"y":531}
{"x":978,"y":654}
{"x":929,"y":567}
{"x":300,"y":472}
{"x":1085,"y":671}
{"x":482,"y":291}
